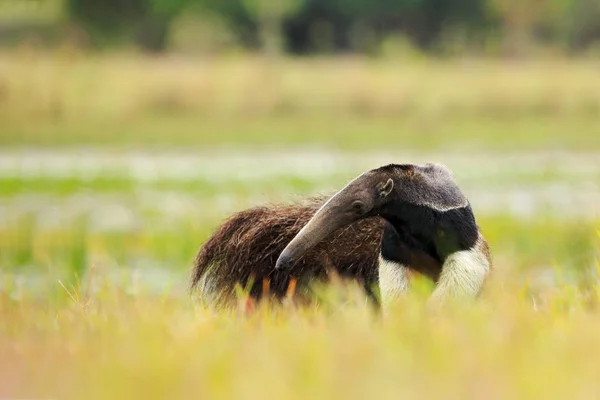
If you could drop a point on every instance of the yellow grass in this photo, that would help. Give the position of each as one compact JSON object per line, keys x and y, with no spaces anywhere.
{"x":117,"y":343}
{"x":71,"y":85}
{"x":66,"y":97}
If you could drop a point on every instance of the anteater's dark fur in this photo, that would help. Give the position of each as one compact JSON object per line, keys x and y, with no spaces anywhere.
{"x":248,"y":243}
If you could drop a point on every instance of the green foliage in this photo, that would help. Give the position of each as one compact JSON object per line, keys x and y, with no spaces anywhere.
{"x":300,"y":25}
{"x":108,"y":19}
{"x":262,"y":9}
{"x":265,"y":18}
{"x":168,"y":8}
{"x":113,"y":21}
{"x":269,"y":16}
{"x":583,"y":28}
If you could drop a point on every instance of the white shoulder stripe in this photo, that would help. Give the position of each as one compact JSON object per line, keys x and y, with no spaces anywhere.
{"x":393,"y":280}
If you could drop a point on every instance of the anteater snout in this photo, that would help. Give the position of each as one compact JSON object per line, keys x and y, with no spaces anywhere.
{"x":284,"y":261}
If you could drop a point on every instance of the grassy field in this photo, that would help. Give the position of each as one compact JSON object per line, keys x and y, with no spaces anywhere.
{"x":352,"y":104}
{"x":115,"y":169}
{"x":121,"y":343}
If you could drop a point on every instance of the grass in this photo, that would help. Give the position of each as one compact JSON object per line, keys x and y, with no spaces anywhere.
{"x":210,"y":188}
{"x":120,"y":342}
{"x":64,"y":99}
{"x":519,"y":244}
{"x":469,"y":133}
{"x":95,"y":248}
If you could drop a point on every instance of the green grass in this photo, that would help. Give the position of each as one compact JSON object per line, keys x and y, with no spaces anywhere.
{"x":531,"y":245}
{"x":344,"y":132}
{"x":105,"y":183}
{"x":119,"y":182}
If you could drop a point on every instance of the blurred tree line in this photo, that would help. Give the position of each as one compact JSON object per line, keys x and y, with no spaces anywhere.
{"x":330,"y":26}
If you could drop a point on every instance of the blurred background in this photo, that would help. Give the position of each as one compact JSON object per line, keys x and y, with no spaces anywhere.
{"x":303,"y":27}
{"x":130,"y":128}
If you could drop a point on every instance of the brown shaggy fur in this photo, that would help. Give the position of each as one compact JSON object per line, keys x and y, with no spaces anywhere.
{"x":245,"y":248}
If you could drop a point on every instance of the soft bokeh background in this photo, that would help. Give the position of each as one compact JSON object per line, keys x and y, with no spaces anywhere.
{"x":130,"y":128}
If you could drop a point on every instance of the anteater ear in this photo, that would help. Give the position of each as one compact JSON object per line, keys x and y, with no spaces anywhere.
{"x":385,"y":188}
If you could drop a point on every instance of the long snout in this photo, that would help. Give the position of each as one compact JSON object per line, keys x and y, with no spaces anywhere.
{"x":325,"y":222}
{"x":285,"y":260}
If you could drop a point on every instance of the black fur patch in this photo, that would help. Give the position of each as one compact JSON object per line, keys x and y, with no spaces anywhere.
{"x":456,"y":230}
{"x":422,"y":238}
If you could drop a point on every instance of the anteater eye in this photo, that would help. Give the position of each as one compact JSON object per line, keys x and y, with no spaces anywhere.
{"x":358,"y":206}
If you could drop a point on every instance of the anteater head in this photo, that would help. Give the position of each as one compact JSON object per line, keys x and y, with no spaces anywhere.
{"x":379,"y":192}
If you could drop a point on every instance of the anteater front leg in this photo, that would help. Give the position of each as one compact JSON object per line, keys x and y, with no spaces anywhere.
{"x":463,"y":273}
{"x":398,"y":260}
